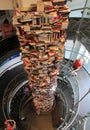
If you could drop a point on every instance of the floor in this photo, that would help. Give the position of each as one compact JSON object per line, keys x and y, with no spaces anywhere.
{"x":48,"y":121}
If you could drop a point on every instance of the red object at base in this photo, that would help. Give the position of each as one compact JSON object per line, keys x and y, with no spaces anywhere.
{"x":10,"y":124}
{"x":9,"y":127}
{"x":78,"y":63}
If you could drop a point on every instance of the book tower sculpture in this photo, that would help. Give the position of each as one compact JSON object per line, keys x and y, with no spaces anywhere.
{"x":42,"y":33}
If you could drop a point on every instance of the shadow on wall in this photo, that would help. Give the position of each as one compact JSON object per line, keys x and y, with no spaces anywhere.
{"x":8,"y":45}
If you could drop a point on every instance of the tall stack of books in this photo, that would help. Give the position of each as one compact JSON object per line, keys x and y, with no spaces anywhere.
{"x":41,"y":32}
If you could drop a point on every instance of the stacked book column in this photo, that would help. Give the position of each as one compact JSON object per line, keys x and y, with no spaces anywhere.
{"x":41,"y":31}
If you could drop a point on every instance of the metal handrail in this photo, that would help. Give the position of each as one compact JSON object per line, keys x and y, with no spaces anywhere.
{"x":11,"y":86}
{"x":75,"y":109}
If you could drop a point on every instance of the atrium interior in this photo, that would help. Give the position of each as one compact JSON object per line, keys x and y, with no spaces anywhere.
{"x":71,"y":107}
